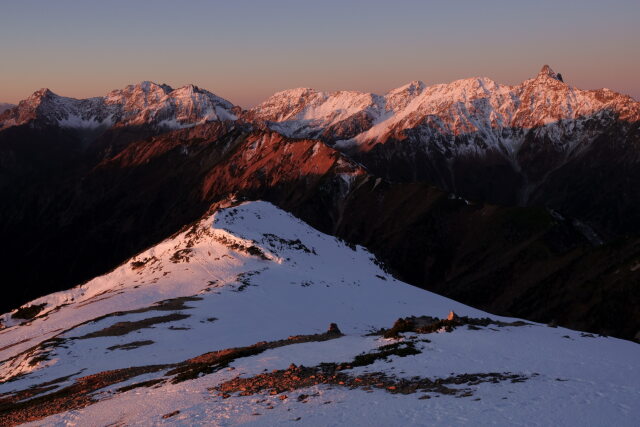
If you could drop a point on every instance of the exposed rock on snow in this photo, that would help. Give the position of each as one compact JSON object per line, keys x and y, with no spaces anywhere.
{"x":220,"y":335}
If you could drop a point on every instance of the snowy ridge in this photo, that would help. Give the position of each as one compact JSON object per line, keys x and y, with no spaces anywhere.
{"x":492,"y":113}
{"x":250,"y":275}
{"x":141,"y":104}
{"x":203,"y":260}
{"x":305,"y":113}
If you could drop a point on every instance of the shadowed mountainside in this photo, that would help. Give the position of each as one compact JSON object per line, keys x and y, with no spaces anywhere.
{"x":520,"y":261}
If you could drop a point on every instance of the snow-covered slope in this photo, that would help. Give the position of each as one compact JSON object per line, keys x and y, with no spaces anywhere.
{"x":307,"y":113}
{"x":204,"y":328}
{"x":146,"y":103}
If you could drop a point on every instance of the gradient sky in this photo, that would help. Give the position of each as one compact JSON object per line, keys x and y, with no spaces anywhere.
{"x":246,"y":50}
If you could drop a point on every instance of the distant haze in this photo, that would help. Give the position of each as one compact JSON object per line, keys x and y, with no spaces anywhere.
{"x":246,"y":50}
{"x":4,"y":106}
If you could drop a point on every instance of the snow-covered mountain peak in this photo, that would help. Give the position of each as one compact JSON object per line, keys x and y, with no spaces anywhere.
{"x":48,"y":108}
{"x":195,"y":94}
{"x":137,"y":97}
{"x":307,"y":112}
{"x":546,"y":82}
{"x":38,"y":98}
{"x":145,"y":103}
{"x":462,"y":90}
{"x":294,"y":93}
{"x":44,"y":98}
{"x":146,"y":90}
{"x":247,"y":258}
{"x":412,"y":88}
{"x":42,"y":93}
{"x":148,"y":86}
{"x":148,"y":102}
{"x":285,"y":104}
{"x":187,"y":90}
{"x":399,"y":98}
{"x":225,"y":323}
{"x":546,"y":71}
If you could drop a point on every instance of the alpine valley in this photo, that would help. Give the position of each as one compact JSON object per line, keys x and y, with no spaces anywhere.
{"x":173,"y":258}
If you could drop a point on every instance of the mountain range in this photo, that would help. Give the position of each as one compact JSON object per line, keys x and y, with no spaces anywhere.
{"x":461,"y":253}
{"x":520,"y":200}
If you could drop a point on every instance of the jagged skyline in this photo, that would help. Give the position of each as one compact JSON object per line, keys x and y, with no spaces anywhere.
{"x":245,"y":52}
